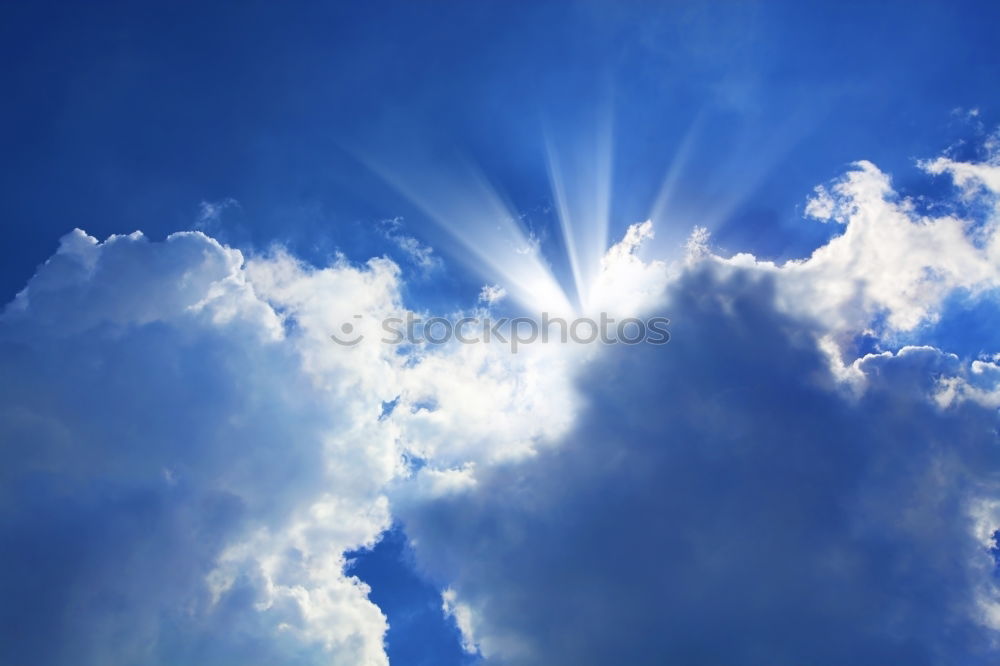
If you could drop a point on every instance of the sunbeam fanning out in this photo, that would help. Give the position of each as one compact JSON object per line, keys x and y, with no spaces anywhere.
{"x":581,"y":188}
{"x":491,"y":240}
{"x":681,"y":157}
{"x":487,"y":235}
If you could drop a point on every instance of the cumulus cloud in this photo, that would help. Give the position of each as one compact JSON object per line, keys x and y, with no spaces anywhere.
{"x":626,"y":285}
{"x":721,"y":502}
{"x":180,"y":480}
{"x":188,"y":455}
{"x":723,"y":499}
{"x":893,"y":267}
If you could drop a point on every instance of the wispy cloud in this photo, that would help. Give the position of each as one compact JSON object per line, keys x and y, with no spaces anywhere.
{"x":421,"y":256}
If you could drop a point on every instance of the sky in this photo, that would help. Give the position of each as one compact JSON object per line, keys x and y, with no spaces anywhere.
{"x":196,"y":196}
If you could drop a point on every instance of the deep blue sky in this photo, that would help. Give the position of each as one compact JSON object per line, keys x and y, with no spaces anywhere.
{"x":418,"y":635}
{"x":123,"y":116}
{"x":127,"y":115}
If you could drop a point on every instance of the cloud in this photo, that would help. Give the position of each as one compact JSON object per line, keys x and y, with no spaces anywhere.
{"x":892,"y":268}
{"x":968,"y":176}
{"x":720,"y":501}
{"x":626,"y":285}
{"x":188,"y":456}
{"x":724,"y":499}
{"x":492,"y":293}
{"x":420,"y":255}
{"x":179,"y":479}
{"x":210,"y":213}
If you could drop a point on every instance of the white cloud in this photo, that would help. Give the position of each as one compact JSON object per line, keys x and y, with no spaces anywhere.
{"x":627,"y":286}
{"x":194,"y":409}
{"x":696,"y":247}
{"x":463,"y":619}
{"x":492,"y":293}
{"x":892,"y":268}
{"x":822,"y":206}
{"x":968,"y":176}
{"x":422,"y":256}
{"x":216,"y":469}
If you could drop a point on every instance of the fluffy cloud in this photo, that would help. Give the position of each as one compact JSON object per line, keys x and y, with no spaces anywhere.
{"x":892,"y":267}
{"x":721,"y":502}
{"x":181,"y":478}
{"x":188,"y":455}
{"x":724,"y":499}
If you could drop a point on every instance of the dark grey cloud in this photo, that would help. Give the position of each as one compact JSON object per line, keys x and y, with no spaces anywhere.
{"x":722,"y":501}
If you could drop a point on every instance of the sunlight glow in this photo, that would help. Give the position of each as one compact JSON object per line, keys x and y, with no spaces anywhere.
{"x":492,"y":241}
{"x":581,"y":187}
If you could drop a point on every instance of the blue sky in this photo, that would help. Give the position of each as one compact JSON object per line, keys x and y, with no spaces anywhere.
{"x":193,"y":474}
{"x":128,"y":115}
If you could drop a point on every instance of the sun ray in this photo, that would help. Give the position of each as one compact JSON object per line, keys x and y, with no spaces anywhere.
{"x":493,"y":242}
{"x":581,"y":185}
